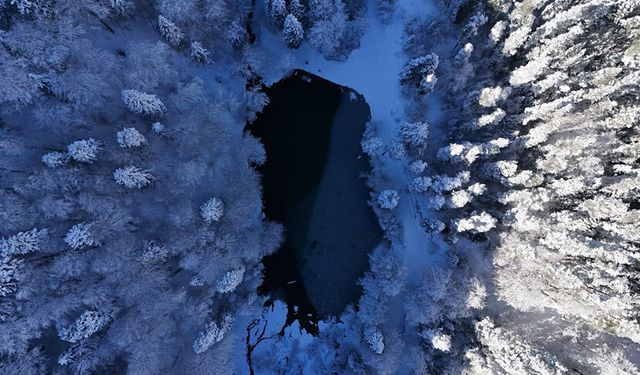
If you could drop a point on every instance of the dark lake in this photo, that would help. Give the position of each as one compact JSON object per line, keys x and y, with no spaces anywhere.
{"x":313,"y":184}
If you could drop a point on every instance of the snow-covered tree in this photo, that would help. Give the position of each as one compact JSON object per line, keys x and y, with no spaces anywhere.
{"x":142,"y":103}
{"x":9,"y":278}
{"x":388,"y":199}
{"x":297,"y":9}
{"x":373,"y":337}
{"x":87,"y":324}
{"x":133,"y":177}
{"x":55,"y":159}
{"x":416,"y":135}
{"x":439,"y":340}
{"x":23,"y":242}
{"x":130,"y":137}
{"x":212,"y":210}
{"x":81,"y":236}
{"x":199,"y":53}
{"x":277,"y":10}
{"x":420,"y":69}
{"x":170,"y":31}
{"x":478,"y":222}
{"x":213,"y":333}
{"x":121,"y":7}
{"x":85,"y":150}
{"x":154,"y":253}
{"x":504,"y":352}
{"x":292,"y":32}
{"x":230,"y":280}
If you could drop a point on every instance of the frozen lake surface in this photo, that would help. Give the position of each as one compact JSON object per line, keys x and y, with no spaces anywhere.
{"x":313,"y":183}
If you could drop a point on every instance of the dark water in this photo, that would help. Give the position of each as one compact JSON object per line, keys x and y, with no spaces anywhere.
{"x":313,"y":184}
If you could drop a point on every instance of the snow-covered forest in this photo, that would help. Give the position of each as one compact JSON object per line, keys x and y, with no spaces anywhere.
{"x":504,"y":146}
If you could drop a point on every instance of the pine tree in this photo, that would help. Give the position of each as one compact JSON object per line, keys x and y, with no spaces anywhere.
{"x":55,"y":159}
{"x":130,"y":137}
{"x":85,"y":150}
{"x":23,"y":242}
{"x":133,"y":177}
{"x":418,"y":68}
{"x":199,"y":53}
{"x":213,"y":333}
{"x":142,"y":103}
{"x":170,"y":31}
{"x":80,"y":236}
{"x":230,"y":280}
{"x":212,"y":210}
{"x":415,"y":135}
{"x":278,"y":12}
{"x":297,"y":10}
{"x":292,"y":33}
{"x":373,"y":337}
{"x":388,"y":199}
{"x":121,"y":7}
{"x":86,"y":325}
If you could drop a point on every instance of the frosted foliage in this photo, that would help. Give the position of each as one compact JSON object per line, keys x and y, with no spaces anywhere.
{"x":154,"y":253}
{"x":416,"y":135}
{"x":55,"y":159}
{"x":72,"y":354}
{"x":213,"y":334}
{"x":23,"y":6}
{"x":419,"y":68}
{"x":477,"y":189}
{"x":121,"y":6}
{"x":512,"y":354}
{"x":212,"y":210}
{"x":477,"y":223}
{"x":497,"y":32}
{"x":80,"y":236}
{"x":277,"y":10}
{"x":292,"y":33}
{"x":373,"y":337}
{"x":490,"y":96}
{"x":230,"y":280}
{"x":477,"y":294}
{"x":86,"y":325}
{"x":418,"y":166}
{"x":132,"y":177}
{"x":372,"y":146}
{"x":9,"y":272}
{"x":142,"y":103}
{"x":130,"y":137}
{"x":397,"y":150}
{"x":329,"y":30}
{"x":463,"y":55}
{"x":199,"y":53}
{"x":297,"y":9}
{"x":23,"y":242}
{"x":388,"y":199}
{"x":84,"y":151}
{"x":471,"y":28}
{"x":459,"y":198}
{"x":170,"y":31}
{"x":491,"y":119}
{"x":439,"y":340}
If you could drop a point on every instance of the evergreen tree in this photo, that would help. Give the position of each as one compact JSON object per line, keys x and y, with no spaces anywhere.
{"x":142,"y":103}
{"x":292,"y":33}
{"x":170,"y":31}
{"x":133,"y":177}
